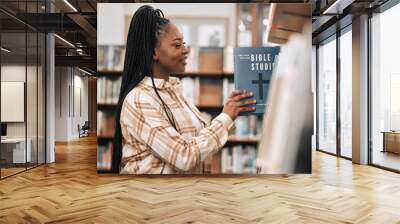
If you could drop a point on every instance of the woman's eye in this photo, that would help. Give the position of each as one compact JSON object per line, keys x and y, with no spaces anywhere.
{"x":178,"y":45}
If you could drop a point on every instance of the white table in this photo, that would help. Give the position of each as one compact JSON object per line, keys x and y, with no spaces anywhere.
{"x":18,"y":150}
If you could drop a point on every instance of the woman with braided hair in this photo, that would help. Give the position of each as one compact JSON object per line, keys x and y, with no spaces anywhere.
{"x":157,"y":130}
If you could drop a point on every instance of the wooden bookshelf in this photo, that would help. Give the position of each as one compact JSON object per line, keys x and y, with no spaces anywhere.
{"x":200,"y":107}
{"x":107,"y":106}
{"x":243,"y":139}
{"x":212,"y":84}
{"x":109,"y":73}
{"x":204,"y":74}
{"x":179,"y":75}
{"x":106,"y":138}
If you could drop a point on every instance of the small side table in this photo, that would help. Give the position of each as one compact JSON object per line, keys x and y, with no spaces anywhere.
{"x":391,"y":141}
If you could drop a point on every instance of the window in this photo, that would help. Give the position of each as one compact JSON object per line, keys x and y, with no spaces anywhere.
{"x":327,"y":96}
{"x":385,"y":89}
{"x":346,"y":93}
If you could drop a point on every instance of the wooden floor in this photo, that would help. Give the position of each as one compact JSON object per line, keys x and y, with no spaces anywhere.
{"x":387,"y":159}
{"x":70,"y":191}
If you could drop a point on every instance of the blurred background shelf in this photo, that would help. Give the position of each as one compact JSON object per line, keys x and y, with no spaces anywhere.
{"x":243,"y":139}
{"x":109,"y":73}
{"x":204,"y":74}
{"x":200,"y":74}
{"x":107,"y":105}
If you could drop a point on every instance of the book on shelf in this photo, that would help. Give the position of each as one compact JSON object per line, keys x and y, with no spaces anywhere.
{"x":110,"y":58}
{"x":253,"y":72}
{"x":211,"y":59}
{"x":210,"y":93}
{"x":104,"y":154}
{"x":228,"y":59}
{"x":108,"y":89}
{"x":105,"y":123}
{"x":192,"y":62}
{"x":190,"y":89}
{"x":207,"y":91}
{"x":238,"y":159}
{"x":212,"y":164}
{"x":248,"y":125}
{"x":227,"y":87}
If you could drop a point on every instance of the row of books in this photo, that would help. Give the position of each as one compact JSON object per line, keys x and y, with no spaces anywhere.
{"x":239,"y":159}
{"x":192,"y":88}
{"x":209,"y":92}
{"x":248,"y":125}
{"x":105,"y":123}
{"x":108,"y":89}
{"x":200,"y":59}
{"x":110,"y":58}
{"x":245,"y":125}
{"x":104,"y":154}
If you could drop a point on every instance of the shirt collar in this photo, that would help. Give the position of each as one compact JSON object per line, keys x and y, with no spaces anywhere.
{"x":161,"y":83}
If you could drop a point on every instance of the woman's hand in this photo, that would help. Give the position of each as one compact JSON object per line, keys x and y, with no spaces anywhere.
{"x":235,"y":103}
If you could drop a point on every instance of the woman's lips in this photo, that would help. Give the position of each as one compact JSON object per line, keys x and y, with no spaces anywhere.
{"x":183,"y":61}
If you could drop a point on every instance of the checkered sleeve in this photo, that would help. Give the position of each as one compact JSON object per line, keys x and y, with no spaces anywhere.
{"x":146,"y":123}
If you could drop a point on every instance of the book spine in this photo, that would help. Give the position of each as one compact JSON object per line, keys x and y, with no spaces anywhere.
{"x":236,"y":67}
{"x":225,"y":90}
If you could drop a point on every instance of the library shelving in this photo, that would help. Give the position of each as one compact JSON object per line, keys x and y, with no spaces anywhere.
{"x":207,"y":88}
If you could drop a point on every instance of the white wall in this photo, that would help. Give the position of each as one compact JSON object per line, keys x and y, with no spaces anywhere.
{"x":112,"y":31}
{"x":61,"y":103}
{"x":34,"y":124}
{"x":12,"y":73}
{"x":67,"y":80}
{"x":80,"y":82}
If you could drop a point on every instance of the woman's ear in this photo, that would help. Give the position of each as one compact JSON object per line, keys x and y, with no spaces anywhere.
{"x":155,"y":55}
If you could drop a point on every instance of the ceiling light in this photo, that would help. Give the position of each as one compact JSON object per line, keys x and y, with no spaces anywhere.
{"x":65,"y":41}
{"x":337,"y":7}
{"x":70,"y":5}
{"x":5,"y":50}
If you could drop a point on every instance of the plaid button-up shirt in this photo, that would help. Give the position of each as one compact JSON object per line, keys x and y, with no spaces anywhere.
{"x":151,"y":145}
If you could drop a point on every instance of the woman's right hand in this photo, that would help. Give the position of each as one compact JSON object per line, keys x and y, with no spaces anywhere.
{"x":235,"y":103}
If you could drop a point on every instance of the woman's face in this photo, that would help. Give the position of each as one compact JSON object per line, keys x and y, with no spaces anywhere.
{"x":171,"y":52}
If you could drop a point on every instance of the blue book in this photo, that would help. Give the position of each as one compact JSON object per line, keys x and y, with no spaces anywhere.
{"x":253,"y":68}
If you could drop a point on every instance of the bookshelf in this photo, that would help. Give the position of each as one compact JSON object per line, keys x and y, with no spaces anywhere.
{"x":243,"y":139}
{"x":109,"y":73}
{"x":207,"y":83}
{"x":205,"y":74}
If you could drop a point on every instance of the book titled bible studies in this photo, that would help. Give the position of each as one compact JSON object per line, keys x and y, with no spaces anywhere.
{"x":253,"y":67}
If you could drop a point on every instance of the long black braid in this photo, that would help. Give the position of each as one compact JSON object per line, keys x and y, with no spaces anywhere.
{"x":146,"y":25}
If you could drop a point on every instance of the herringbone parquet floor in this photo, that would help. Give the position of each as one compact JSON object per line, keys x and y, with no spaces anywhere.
{"x":70,"y":191}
